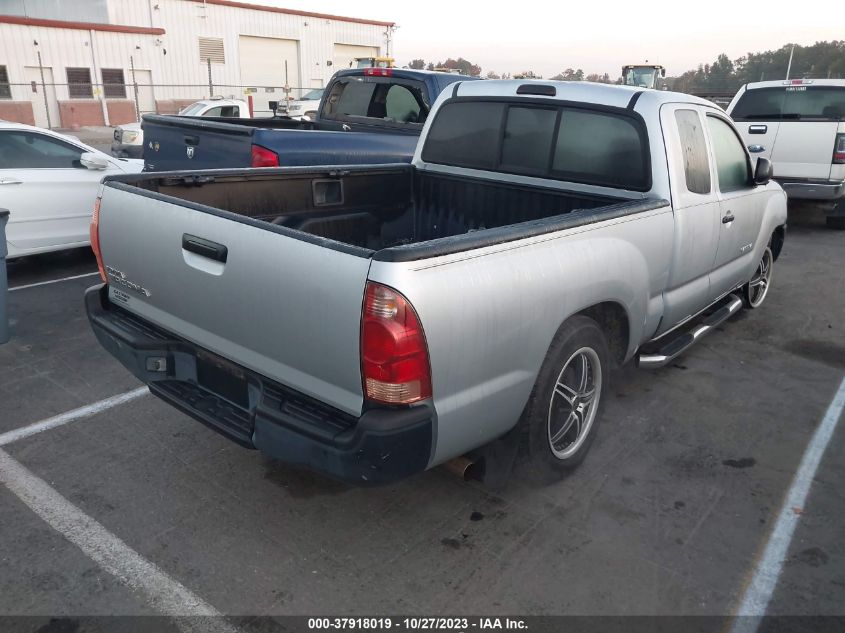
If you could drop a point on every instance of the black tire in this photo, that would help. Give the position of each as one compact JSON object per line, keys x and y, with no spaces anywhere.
{"x":836,"y":222}
{"x":548,"y":411}
{"x":757,"y":289}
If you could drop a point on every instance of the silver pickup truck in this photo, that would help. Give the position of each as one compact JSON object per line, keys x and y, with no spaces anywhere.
{"x":374,"y":321}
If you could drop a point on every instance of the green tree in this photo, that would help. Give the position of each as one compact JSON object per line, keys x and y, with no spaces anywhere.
{"x":465,"y":66}
{"x":570,"y":74}
{"x":417,"y":64}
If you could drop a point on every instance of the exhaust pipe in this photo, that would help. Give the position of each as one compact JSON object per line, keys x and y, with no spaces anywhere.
{"x":465,"y":468}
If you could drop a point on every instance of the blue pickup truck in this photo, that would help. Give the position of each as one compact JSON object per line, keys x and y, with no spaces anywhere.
{"x":366,"y":116}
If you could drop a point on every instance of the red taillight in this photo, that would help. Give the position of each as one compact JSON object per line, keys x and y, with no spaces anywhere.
{"x":263,"y":157}
{"x":839,"y":150}
{"x":378,"y":72}
{"x":394,"y":354}
{"x":95,"y":240}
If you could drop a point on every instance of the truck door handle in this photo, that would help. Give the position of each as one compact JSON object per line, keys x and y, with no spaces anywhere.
{"x":10,"y":181}
{"x":758,"y":129}
{"x":192,"y":140}
{"x":205,"y":248}
{"x":728,"y":218}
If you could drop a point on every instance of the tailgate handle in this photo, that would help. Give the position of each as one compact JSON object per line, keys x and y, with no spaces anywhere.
{"x":192,"y":140}
{"x":205,"y":248}
{"x":758,"y":129}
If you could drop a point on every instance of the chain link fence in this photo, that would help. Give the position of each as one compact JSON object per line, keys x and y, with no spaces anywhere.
{"x":61,"y":105}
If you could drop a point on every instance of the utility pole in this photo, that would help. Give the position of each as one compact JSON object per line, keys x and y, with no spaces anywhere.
{"x":135,"y":89}
{"x":789,"y":66}
{"x":210,"y":82}
{"x":44,"y":91}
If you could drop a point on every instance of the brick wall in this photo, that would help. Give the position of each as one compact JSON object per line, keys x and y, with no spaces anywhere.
{"x":120,"y":111}
{"x":17,"y":111}
{"x":81,"y":112}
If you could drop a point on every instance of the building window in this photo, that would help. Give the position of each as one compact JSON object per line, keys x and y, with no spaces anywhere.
{"x":113,"y":86}
{"x":5,"y":89}
{"x":212,"y":48}
{"x":79,"y":83}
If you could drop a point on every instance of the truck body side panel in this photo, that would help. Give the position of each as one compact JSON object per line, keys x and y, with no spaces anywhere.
{"x":490,"y":314}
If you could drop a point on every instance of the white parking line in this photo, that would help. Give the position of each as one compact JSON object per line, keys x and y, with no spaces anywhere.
{"x":52,"y":281}
{"x":70,"y":416}
{"x":162,"y":592}
{"x":759,"y":591}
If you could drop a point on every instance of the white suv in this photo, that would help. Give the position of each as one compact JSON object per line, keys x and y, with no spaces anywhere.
{"x":799,"y":124}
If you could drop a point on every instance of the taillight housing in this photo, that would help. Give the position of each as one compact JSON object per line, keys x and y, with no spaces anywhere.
{"x":839,"y":150}
{"x":94,"y":231}
{"x":395,"y":366}
{"x":378,"y":72}
{"x":263,"y":157}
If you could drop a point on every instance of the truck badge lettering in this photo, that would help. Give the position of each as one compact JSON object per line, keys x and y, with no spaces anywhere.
{"x":190,"y":151}
{"x":119,"y":278}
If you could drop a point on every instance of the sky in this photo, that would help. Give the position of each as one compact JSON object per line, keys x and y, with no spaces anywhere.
{"x":596,"y":35}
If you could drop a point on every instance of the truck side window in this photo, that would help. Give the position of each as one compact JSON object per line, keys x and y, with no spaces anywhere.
{"x":696,"y":164}
{"x":465,"y":135}
{"x":731,"y":161}
{"x":602,"y":149}
{"x":222,"y":111}
{"x":528,"y":139}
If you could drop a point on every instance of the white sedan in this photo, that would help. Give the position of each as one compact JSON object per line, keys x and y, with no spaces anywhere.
{"x":49,"y":184}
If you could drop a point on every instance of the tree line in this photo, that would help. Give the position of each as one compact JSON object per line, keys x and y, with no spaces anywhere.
{"x":820,"y":60}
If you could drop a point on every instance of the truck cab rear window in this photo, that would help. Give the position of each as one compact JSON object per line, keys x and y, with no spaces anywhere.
{"x":393,"y":102}
{"x":561,"y":143}
{"x":791,"y":103}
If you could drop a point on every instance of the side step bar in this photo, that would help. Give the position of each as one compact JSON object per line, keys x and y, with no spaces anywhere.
{"x":683,"y":342}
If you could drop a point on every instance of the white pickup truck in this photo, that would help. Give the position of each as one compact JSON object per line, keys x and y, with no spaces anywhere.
{"x":374,"y":321}
{"x":799,"y":124}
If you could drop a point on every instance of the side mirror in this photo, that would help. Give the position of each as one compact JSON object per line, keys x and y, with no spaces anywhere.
{"x":763,"y":171}
{"x":93,"y":161}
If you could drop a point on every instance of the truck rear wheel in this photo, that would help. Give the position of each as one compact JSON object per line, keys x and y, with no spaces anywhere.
{"x":562,"y":414}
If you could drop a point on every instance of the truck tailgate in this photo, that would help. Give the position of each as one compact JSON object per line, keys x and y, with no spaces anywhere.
{"x":285,"y":307}
{"x":182,"y":143}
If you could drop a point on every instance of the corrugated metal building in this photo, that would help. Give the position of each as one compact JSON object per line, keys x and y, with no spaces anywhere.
{"x":103,"y":61}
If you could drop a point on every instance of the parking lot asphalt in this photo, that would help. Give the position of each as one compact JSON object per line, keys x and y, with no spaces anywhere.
{"x":668,"y":515}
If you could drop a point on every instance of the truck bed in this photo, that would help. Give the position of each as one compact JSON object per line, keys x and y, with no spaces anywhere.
{"x":377,"y":208}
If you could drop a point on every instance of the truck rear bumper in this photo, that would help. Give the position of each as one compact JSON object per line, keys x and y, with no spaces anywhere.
{"x":380,"y":446}
{"x":813,"y":189}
